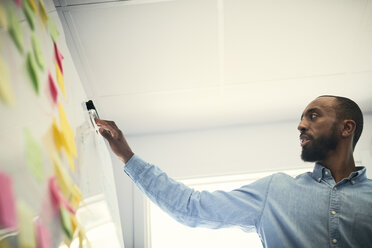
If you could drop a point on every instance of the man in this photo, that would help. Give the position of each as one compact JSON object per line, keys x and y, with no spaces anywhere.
{"x":329,"y":207}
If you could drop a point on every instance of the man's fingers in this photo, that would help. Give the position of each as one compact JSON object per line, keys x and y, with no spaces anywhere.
{"x":109,"y":126}
{"x":106,"y":134}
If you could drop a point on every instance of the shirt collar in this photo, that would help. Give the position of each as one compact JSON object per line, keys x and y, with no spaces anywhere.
{"x":321,"y":172}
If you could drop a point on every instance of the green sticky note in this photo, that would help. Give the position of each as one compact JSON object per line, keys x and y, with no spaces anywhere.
{"x":37,"y":51}
{"x":66,"y":222}
{"x":15,"y":30}
{"x":34,"y":156}
{"x":32,"y":72}
{"x":53,"y":31}
{"x":29,"y":14}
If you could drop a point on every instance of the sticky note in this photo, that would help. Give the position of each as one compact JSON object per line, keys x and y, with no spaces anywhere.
{"x":5,"y":244}
{"x":34,"y":156}
{"x":57,"y":199}
{"x":6,"y":92}
{"x":68,"y":134}
{"x":52,"y":88}
{"x":59,"y":57}
{"x":8,"y":218}
{"x":43,"y":13}
{"x":3,"y":16}
{"x":37,"y":51}
{"x":53,"y":31}
{"x":63,"y":179}
{"x":29,"y":14}
{"x":18,"y":2}
{"x":76,"y":197}
{"x":57,"y":137}
{"x":60,"y":80}
{"x":26,"y":236}
{"x":42,"y":235}
{"x":32,"y":3}
{"x":66,"y":222}
{"x":15,"y":30}
{"x":33,"y":72}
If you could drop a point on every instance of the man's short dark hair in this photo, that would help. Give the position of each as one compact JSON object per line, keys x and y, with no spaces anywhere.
{"x":347,"y":109}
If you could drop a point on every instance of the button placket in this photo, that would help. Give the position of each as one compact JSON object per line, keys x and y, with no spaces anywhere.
{"x":334,"y":209}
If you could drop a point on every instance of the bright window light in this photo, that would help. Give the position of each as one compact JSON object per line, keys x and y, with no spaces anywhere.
{"x":165,"y":232}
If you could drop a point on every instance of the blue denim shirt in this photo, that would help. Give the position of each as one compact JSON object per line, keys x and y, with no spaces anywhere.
{"x":310,"y":210}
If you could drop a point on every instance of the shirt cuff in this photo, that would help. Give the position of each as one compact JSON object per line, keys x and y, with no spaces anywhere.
{"x":134,"y":167}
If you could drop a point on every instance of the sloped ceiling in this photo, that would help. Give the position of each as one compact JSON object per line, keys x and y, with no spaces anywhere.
{"x":161,"y":66}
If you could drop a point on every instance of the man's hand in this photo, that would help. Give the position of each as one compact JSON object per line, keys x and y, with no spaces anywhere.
{"x":115,"y":137}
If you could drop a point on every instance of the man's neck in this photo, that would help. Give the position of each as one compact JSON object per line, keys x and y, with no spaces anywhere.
{"x":340,"y":165}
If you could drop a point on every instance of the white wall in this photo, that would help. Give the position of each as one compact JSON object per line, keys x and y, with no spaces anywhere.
{"x":222,"y":151}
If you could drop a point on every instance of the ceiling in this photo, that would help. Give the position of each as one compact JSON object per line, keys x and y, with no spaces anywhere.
{"x":164,"y":66}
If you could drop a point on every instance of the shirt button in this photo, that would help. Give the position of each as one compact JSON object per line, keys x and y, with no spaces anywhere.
{"x":326,"y":172}
{"x":352,"y":181}
{"x":334,"y":241}
{"x":335,"y":188}
{"x":333,"y":212}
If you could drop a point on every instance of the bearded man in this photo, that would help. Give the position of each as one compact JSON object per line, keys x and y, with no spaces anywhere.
{"x":328,"y":207}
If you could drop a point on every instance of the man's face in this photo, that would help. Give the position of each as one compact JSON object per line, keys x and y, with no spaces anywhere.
{"x":319,"y":129}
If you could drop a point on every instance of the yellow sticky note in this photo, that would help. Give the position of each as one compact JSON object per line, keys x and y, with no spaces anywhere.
{"x":58,"y":139}
{"x":43,"y":13}
{"x":76,"y":197}
{"x":26,"y":237}
{"x":6,"y":92}
{"x":4,"y":244}
{"x":60,"y":80}
{"x":32,"y":3}
{"x":34,"y":156}
{"x":68,"y":135}
{"x":3,"y":20}
{"x":63,"y":179}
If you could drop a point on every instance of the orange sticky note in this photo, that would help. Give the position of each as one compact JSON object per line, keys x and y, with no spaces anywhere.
{"x":60,"y":80}
{"x":8,"y":217}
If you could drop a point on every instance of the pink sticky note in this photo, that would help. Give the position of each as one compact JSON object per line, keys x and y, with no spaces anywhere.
{"x":7,"y":206}
{"x":19,"y":3}
{"x":59,"y":56}
{"x":42,"y":235}
{"x":57,"y":198}
{"x":52,"y":88}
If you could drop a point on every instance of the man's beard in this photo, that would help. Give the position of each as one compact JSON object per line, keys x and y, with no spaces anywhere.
{"x":318,"y":148}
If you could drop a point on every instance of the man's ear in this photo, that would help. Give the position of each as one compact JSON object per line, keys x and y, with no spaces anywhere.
{"x":348,"y":128}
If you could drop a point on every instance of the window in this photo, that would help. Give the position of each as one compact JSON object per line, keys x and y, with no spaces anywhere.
{"x":165,"y":232}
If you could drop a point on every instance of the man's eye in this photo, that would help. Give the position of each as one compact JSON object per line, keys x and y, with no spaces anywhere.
{"x":313,"y":115}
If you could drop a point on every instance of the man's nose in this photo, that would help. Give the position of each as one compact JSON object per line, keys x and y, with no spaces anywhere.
{"x":302,"y":126}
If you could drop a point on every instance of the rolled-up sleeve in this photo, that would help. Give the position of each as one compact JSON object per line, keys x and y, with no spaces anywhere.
{"x":242,"y":207}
